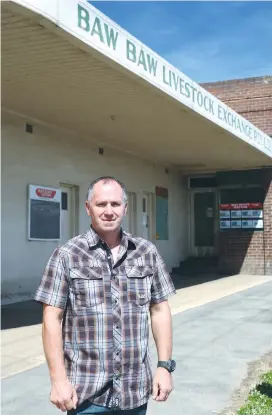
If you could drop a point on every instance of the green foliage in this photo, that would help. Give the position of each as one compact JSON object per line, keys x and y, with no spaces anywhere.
{"x":260,"y":399}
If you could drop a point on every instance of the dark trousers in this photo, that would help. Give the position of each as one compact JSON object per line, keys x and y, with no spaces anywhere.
{"x":87,"y":408}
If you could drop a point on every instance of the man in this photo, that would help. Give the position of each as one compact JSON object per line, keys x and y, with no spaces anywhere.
{"x":97,"y":290}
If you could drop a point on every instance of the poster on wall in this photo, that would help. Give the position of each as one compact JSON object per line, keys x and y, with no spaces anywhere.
{"x":224,"y":214}
{"x":236,"y":214}
{"x":258,"y":224}
{"x":224,"y":224}
{"x":242,"y":215}
{"x":236,"y":224}
{"x":252,"y":213}
{"x":44,"y":209}
{"x":162,"y":214}
{"x":247,"y":224}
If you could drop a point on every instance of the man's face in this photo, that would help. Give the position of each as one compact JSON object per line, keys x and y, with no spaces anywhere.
{"x":106,"y":206}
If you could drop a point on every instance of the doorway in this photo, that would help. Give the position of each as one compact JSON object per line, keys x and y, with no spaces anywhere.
{"x":203,"y":222}
{"x":69,"y":212}
{"x":129,"y":221}
{"x":147,"y":224}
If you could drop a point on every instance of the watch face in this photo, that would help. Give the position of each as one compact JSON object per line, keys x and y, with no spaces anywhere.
{"x":173,"y":365}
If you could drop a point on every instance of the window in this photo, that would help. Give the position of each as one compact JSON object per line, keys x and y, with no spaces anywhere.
{"x":64,"y":201}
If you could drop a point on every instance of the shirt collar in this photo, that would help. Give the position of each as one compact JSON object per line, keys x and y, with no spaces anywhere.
{"x":94,"y":239}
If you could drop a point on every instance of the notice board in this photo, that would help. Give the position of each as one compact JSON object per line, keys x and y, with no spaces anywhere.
{"x":44,"y":210}
{"x":241,"y":216}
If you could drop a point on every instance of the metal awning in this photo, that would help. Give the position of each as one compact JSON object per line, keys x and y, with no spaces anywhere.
{"x":50,"y":75}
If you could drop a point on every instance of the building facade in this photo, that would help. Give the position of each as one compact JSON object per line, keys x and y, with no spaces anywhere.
{"x":82,"y":98}
{"x":251,"y":251}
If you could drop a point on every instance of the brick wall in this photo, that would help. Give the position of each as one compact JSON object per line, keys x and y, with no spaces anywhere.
{"x":251,"y":97}
{"x":241,"y":252}
{"x":248,"y":252}
{"x":268,"y":224}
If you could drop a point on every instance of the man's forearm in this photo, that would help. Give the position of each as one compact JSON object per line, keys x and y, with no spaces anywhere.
{"x":53,"y":348}
{"x":161,"y":323}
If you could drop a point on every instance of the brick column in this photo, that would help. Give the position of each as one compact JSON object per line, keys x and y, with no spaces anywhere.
{"x":249,"y":252}
{"x":241,"y":252}
{"x":268,"y":223}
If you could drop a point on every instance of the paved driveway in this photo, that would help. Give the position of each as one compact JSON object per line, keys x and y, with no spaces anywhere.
{"x":213,"y":344}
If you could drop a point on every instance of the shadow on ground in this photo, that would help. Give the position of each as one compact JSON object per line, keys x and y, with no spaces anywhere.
{"x":195,"y":271}
{"x":22,"y":314}
{"x":181,"y":281}
{"x":28,"y":313}
{"x":265,"y":389}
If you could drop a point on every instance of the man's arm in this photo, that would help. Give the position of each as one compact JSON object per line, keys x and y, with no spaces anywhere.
{"x":63,"y":395}
{"x":53,"y":292}
{"x":161,"y":323}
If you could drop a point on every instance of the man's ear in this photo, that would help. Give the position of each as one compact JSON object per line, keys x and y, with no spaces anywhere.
{"x":87,"y":207}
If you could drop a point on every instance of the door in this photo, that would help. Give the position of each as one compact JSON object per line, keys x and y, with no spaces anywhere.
{"x":147,"y":216}
{"x":203,"y":229}
{"x":69,"y":212}
{"x":129,"y":221}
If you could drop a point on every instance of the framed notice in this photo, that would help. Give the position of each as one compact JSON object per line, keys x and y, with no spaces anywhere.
{"x":252,"y":213}
{"x":44,"y":209}
{"x":247,"y":223}
{"x":236,"y":224}
{"x":236,"y":214}
{"x":224,"y":224}
{"x":258,"y":223}
{"x":224,"y":214}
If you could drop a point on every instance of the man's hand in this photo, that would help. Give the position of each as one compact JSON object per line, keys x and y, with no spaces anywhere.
{"x":162,"y":385}
{"x":63,"y":395}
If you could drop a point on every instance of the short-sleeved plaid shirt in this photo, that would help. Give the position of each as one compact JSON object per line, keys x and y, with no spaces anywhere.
{"x":105,"y":326}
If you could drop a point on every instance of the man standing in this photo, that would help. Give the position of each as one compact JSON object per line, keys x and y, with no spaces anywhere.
{"x":97,"y":291}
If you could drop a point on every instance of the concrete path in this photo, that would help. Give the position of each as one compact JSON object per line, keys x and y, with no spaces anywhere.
{"x":213,"y":344}
{"x":21,"y":330}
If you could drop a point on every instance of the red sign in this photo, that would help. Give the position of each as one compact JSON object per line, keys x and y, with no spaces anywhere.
{"x":225,"y":206}
{"x":47,"y":193}
{"x":233,"y":206}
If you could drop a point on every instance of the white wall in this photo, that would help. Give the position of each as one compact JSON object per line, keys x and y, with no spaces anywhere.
{"x":47,"y":158}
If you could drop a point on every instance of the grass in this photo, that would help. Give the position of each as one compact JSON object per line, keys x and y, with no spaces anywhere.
{"x":259,"y":401}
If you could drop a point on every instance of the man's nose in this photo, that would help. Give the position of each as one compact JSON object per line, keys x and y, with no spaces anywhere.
{"x":108,"y":210}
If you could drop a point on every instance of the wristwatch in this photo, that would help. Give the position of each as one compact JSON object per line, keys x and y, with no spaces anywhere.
{"x":169,"y":365}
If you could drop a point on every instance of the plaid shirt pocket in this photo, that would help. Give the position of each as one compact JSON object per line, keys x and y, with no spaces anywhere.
{"x":139,"y":279}
{"x":87,"y":286}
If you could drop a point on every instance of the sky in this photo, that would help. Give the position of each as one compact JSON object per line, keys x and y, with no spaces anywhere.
{"x":207,"y":40}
